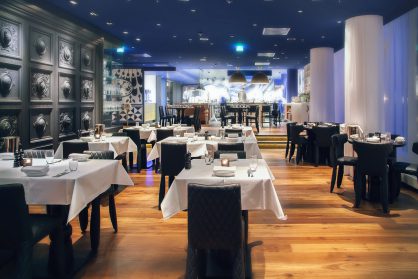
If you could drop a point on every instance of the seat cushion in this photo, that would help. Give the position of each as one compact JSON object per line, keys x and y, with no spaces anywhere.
{"x":42,"y":225}
{"x":348,"y":161}
{"x":405,"y":167}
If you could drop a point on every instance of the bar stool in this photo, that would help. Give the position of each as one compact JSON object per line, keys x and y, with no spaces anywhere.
{"x":252,"y":117}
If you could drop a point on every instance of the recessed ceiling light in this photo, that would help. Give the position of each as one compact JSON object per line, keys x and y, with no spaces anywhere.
{"x":203,"y":59}
{"x":268,"y":31}
{"x":109,"y":23}
{"x":93,"y":13}
{"x":125,"y":32}
{"x":276,"y":45}
{"x":132,"y":47}
{"x":339,"y":21}
{"x":254,"y":24}
{"x":211,"y":44}
{"x":193,"y":10}
{"x":261,"y":63}
{"x":266,"y":54}
{"x":232,"y":36}
{"x":291,"y":39}
{"x":300,"y":11}
{"x":73,"y":2}
{"x":322,"y":37}
{"x":204,"y":39}
{"x":276,"y":58}
{"x":190,"y":39}
{"x":138,"y":39}
{"x":174,"y":36}
{"x":158,"y":24}
{"x":239,"y":48}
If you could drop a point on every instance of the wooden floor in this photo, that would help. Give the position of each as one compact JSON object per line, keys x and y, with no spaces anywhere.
{"x":324,"y":237}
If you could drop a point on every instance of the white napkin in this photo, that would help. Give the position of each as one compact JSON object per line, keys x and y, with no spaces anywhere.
{"x":7,"y":156}
{"x":86,"y":139}
{"x":189,"y":135}
{"x":373,"y":139}
{"x":400,"y":139}
{"x":232,"y":139}
{"x":354,"y":136}
{"x":219,"y":169}
{"x":229,"y":156}
{"x":232,"y":135}
{"x":79,"y":156}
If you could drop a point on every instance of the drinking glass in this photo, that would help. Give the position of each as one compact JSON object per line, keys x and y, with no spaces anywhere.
{"x":73,"y":164}
{"x":253,"y":163}
{"x":388,"y":136}
{"x":208,"y":159}
{"x":49,"y":156}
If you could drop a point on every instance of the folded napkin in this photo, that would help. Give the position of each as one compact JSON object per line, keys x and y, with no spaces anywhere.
{"x":229,"y":156}
{"x":373,"y":139}
{"x":7,"y":156}
{"x":235,"y":126}
{"x":79,"y":156}
{"x":189,"y":135}
{"x":224,"y":169}
{"x":232,"y":135}
{"x":86,"y":139}
{"x":200,"y":138}
{"x":232,"y":139}
{"x":400,"y":139}
{"x":35,"y":170}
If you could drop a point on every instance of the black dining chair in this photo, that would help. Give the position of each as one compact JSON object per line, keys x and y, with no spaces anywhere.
{"x":266,"y":116}
{"x":110,"y":194}
{"x":322,"y":142}
{"x":225,"y":116}
{"x":231,"y":146}
{"x":404,"y":168}
{"x":141,"y":159}
{"x":298,"y":142}
{"x":338,"y":160}
{"x":195,"y":119}
{"x":20,"y":231}
{"x":69,"y":147}
{"x":172,"y":118}
{"x":373,"y":162}
{"x":252,"y":117}
{"x":215,"y":226}
{"x":162,"y":134}
{"x":172,"y":163}
{"x":240,"y":154}
{"x":164,"y":119}
{"x":233,"y":131}
{"x":288,"y":137}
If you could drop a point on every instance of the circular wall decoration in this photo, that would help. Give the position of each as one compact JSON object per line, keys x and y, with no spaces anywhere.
{"x":5,"y":37}
{"x":86,"y":90}
{"x":40,"y":125}
{"x":86,"y":120}
{"x":86,"y":59}
{"x":65,"y":122}
{"x":41,"y":86}
{"x":6,"y":84}
{"x":66,"y":54}
{"x":40,"y":46}
{"x":66,"y":88}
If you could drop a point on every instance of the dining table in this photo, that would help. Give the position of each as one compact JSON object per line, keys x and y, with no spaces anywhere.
{"x":118,"y":145}
{"x":66,"y":193}
{"x":150,"y":133}
{"x":245,"y":130}
{"x":199,"y":147}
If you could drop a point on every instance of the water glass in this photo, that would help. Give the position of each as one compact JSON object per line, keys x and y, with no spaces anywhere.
{"x":253,"y":163}
{"x":208,"y":159}
{"x":73,"y":164}
{"x":49,"y":156}
{"x":388,"y":136}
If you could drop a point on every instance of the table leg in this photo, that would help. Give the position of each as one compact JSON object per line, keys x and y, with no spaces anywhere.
{"x":95,"y":225}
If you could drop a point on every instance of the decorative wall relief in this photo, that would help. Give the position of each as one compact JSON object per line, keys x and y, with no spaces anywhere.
{"x":9,"y":38}
{"x":65,"y":122}
{"x":40,"y":46}
{"x":9,"y":83}
{"x":40,"y":125}
{"x":6,"y":84}
{"x":87,"y":90}
{"x":86,"y":120}
{"x":87,"y":63}
{"x":66,"y":88}
{"x":41,"y":86}
{"x":8,"y":126}
{"x":66,"y":54}
{"x":130,"y":83}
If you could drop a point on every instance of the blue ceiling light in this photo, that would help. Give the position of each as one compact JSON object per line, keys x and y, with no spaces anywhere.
{"x":120,"y":50}
{"x":239,"y":47}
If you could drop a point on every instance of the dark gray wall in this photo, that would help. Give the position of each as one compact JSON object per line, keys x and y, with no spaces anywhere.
{"x":50,"y":75}
{"x":292,"y":84}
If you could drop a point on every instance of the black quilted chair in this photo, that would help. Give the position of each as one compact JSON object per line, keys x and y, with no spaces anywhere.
{"x":322,"y":141}
{"x":288,"y":136}
{"x":297,"y":140}
{"x":172,"y":163}
{"x":163,"y":118}
{"x":406,"y":168}
{"x":162,"y":134}
{"x":172,"y":118}
{"x":34,"y":153}
{"x":240,"y":154}
{"x":110,"y":193}
{"x":338,"y":160}
{"x":215,"y":226}
{"x":233,"y":131}
{"x":141,"y":145}
{"x":195,"y":119}
{"x":252,"y":117}
{"x":373,"y":162}
{"x":20,"y":231}
{"x":225,"y":116}
{"x":69,"y":147}
{"x":231,"y":146}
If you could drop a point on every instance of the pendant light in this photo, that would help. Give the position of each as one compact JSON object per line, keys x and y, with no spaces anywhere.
{"x":260,"y":78}
{"x":237,"y":77}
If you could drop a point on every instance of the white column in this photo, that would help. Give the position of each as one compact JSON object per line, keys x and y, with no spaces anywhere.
{"x":321,"y":107}
{"x":363,"y":72}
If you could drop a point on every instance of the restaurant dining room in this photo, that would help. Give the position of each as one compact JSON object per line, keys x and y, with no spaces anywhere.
{"x":209,"y":139}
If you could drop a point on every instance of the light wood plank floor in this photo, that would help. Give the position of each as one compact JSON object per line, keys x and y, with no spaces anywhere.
{"x":324,"y":237}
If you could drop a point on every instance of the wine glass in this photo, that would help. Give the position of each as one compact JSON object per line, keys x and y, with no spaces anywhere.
{"x":73,"y":164}
{"x":49,"y":156}
{"x":253,"y":163}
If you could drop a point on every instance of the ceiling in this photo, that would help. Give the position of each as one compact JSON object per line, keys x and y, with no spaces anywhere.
{"x":171,"y":30}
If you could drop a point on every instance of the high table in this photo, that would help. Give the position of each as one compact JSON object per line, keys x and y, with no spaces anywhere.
{"x":67,"y":195}
{"x":200,"y":146}
{"x":118,"y":145}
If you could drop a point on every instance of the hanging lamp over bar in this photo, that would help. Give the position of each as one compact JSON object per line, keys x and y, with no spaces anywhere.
{"x":237,"y":77}
{"x":260,"y":78}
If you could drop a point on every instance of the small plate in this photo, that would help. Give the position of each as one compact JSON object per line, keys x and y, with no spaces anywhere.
{"x":224,"y":174}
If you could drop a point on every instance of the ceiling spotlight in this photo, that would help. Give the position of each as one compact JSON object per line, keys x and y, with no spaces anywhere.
{"x":93,"y":13}
{"x":132,"y":47}
{"x":276,"y":45}
{"x":138,"y":39}
{"x":339,"y":21}
{"x":254,"y":24}
{"x":260,"y":78}
{"x":193,"y":10}
{"x":300,"y":11}
{"x":174,"y":36}
{"x":322,"y":37}
{"x":204,"y":39}
{"x":229,"y":1}
{"x":239,"y":48}
{"x":109,"y":23}
{"x":232,"y":36}
{"x":158,"y":24}
{"x":73,"y":2}
{"x":125,"y":32}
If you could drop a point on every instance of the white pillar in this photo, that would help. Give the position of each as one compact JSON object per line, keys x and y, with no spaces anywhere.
{"x":321,"y":107}
{"x":364,"y":72}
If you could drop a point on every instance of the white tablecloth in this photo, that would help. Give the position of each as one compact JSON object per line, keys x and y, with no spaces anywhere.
{"x":118,"y":145}
{"x":257,"y":193}
{"x":199,"y":148}
{"x":76,"y":189}
{"x":150,"y":133}
{"x":248,"y":131}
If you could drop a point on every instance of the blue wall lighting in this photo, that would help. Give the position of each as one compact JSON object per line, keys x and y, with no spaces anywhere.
{"x":120,"y":50}
{"x":239,"y":47}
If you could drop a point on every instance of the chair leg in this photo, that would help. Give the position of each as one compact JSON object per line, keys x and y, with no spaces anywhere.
{"x":287,"y":148}
{"x":23,"y":264}
{"x":384,"y":193}
{"x":157,"y":164}
{"x":292,"y":151}
{"x":298,"y":154}
{"x":340,"y":175}
{"x":112,"y":212}
{"x":257,"y":126}
{"x":131,"y":160}
{"x":192,"y":266}
{"x":83,"y":218}
{"x":333,"y":176}
{"x":358,"y":186}
{"x":316,"y":156}
{"x":170,"y":180}
{"x":162,"y":191}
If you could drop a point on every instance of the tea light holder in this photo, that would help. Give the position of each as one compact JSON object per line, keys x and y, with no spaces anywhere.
{"x":27,"y":162}
{"x":224,"y":162}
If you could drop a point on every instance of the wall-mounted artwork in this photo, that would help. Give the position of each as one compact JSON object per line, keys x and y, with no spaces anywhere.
{"x":9,"y":83}
{"x":40,"y":86}
{"x":9,"y":38}
{"x":87,"y":90}
{"x":66,"y":121}
{"x":66,"y":54}
{"x":66,"y":90}
{"x":40,"y":46}
{"x":87,"y":119}
{"x":8,"y":125}
{"x":40,"y":125}
{"x":87,"y":59}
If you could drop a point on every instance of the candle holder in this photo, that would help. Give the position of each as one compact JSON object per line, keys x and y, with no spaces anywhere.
{"x":27,"y":162}
{"x":225,"y":162}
